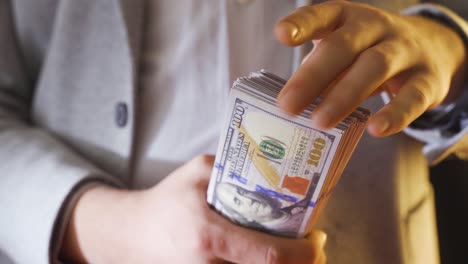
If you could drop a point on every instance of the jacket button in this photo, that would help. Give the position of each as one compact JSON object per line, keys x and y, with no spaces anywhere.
{"x":121,"y":114}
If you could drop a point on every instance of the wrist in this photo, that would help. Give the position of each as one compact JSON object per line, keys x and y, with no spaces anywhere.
{"x":97,"y":224}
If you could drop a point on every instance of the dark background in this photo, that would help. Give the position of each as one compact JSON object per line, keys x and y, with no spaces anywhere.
{"x":450,"y":181}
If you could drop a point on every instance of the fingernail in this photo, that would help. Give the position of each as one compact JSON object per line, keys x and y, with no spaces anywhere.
{"x":381,"y":125}
{"x":321,"y":117}
{"x":287,"y":100}
{"x":290,"y":29}
{"x":318,"y":121}
{"x":322,"y":238}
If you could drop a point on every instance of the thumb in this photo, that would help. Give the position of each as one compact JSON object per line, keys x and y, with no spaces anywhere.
{"x":318,"y":237}
{"x":309,"y":23}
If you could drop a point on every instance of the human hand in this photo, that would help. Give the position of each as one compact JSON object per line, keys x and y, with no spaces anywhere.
{"x":361,"y":51}
{"x":172,"y":223}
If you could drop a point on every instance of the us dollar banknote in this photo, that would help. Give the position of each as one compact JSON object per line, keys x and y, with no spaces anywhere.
{"x":273,"y":171}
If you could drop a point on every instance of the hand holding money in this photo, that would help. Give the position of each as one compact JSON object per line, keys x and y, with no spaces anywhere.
{"x":171,"y":223}
{"x":190,"y":232}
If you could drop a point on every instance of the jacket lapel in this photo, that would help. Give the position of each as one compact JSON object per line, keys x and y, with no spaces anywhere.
{"x":132,"y":12}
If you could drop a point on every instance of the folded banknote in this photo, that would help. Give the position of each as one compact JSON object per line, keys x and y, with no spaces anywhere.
{"x":274,"y":172}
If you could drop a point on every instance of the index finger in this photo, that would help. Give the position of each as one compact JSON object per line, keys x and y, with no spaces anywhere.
{"x":309,"y":23}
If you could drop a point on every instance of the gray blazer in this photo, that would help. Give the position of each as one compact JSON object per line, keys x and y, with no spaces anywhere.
{"x":67,"y":68}
{"x":68,"y":72}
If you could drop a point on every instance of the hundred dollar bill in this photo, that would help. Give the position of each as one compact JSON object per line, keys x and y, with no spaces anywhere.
{"x":272,"y":170}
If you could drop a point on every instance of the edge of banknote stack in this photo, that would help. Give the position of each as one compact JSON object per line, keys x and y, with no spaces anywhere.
{"x":275,"y":172}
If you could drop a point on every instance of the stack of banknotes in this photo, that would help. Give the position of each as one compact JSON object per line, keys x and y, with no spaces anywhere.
{"x":275,"y":172}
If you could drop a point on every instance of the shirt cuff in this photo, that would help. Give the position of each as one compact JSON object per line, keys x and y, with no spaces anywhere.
{"x":63,"y":217}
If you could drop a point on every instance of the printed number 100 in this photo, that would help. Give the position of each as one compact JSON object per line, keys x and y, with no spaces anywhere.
{"x":316,"y":153}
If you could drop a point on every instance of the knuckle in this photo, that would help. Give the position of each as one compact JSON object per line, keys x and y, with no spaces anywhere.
{"x":380,"y":59}
{"x":383,"y":17}
{"x":348,"y":41}
{"x":341,"y":5}
{"x":379,"y":15}
{"x":409,"y":42}
{"x":219,"y":244}
{"x":418,"y":101}
{"x":373,"y":14}
{"x":203,"y":242}
{"x":420,"y":97}
{"x":209,"y":241}
{"x":342,"y":41}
